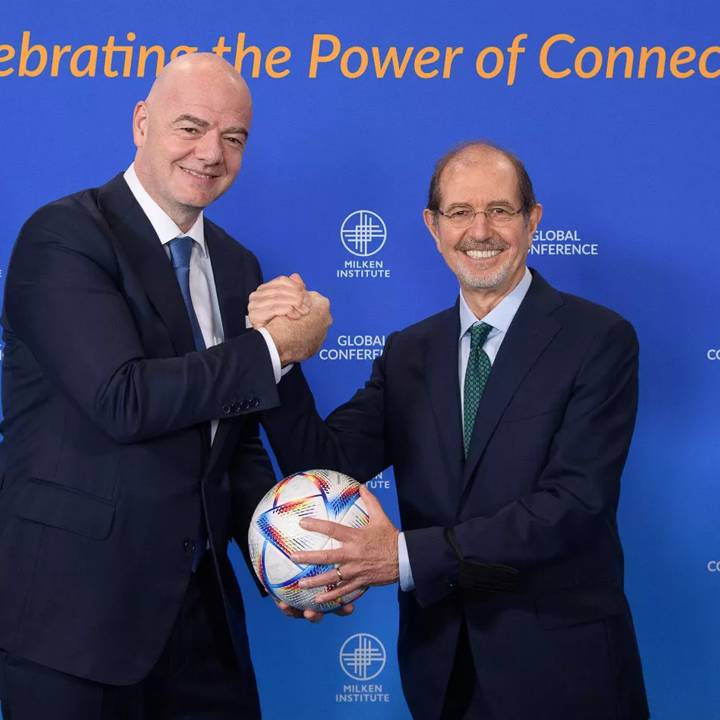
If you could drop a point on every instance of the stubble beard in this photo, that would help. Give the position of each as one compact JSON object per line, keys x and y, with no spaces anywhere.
{"x":489,"y":279}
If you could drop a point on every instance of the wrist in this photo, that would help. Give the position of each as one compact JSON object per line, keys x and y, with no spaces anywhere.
{"x":282,"y":352}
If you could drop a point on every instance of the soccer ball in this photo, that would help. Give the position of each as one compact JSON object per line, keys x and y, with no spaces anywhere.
{"x":275,"y":533}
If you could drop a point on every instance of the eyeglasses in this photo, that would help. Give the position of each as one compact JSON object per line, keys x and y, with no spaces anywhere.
{"x":463,"y":216}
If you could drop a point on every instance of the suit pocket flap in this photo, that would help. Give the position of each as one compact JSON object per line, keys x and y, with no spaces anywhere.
{"x":575,"y":608}
{"x":54,"y":505}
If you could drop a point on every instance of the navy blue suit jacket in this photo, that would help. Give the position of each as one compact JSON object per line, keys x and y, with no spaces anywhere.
{"x":109,"y":464}
{"x":532,"y":509}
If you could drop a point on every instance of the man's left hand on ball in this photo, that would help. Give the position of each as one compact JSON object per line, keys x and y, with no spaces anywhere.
{"x":367,"y":556}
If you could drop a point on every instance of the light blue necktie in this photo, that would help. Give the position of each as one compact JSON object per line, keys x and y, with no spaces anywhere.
{"x":180,"y":251}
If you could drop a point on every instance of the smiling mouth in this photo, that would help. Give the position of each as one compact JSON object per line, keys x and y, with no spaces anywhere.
{"x":482,"y":254}
{"x":197,"y":174}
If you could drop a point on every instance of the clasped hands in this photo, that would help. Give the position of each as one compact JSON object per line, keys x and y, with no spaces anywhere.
{"x":298,"y":320}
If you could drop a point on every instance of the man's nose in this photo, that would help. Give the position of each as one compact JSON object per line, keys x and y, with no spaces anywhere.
{"x":209,"y":148}
{"x":480,"y":223}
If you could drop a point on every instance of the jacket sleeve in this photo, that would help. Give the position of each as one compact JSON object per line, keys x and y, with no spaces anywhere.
{"x":352,"y":440}
{"x":65,"y":301}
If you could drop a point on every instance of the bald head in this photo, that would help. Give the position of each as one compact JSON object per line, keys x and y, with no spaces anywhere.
{"x":191,"y":133}
{"x":198,"y":68}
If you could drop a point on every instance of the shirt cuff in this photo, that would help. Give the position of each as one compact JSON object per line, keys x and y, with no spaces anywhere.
{"x":274,"y":355}
{"x":406,"y":579}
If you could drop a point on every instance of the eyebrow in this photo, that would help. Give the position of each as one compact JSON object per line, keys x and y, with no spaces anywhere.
{"x":239,"y":130}
{"x":194,"y":120}
{"x":492,"y":202}
{"x":235,"y":131}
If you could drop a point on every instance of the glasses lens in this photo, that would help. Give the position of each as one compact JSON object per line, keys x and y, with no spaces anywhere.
{"x":502,"y":219}
{"x":500,"y":215}
{"x":460,"y":217}
{"x":461,"y":221}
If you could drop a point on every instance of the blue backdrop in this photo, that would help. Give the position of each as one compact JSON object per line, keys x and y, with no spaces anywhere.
{"x":625,"y":165}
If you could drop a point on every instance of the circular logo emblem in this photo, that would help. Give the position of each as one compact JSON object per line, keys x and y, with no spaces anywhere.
{"x":363,"y":233}
{"x":362,"y":656}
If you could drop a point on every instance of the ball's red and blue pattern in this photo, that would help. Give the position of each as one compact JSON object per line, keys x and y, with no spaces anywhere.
{"x":275,"y":532}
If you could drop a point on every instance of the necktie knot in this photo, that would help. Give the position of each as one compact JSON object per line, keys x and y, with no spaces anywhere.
{"x":478,"y":335}
{"x":180,"y":251}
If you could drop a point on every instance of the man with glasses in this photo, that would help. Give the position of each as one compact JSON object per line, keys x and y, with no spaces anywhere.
{"x":507,"y":418}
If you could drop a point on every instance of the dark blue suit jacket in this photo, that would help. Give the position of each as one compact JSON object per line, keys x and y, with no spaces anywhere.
{"x":532,"y":509}
{"x":109,"y":464}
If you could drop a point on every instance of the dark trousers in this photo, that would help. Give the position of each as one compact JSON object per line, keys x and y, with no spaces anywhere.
{"x":462,"y":699}
{"x":195,"y":677}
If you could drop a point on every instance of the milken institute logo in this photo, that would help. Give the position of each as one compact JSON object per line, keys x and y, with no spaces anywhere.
{"x":362,"y":656}
{"x":363,"y":233}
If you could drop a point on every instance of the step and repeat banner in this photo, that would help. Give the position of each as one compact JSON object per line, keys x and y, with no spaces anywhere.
{"x":614,"y":108}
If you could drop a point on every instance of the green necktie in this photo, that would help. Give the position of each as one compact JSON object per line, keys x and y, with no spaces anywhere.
{"x":476,"y":377}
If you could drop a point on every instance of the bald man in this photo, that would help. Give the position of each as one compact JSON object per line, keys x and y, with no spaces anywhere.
{"x":130,"y":392}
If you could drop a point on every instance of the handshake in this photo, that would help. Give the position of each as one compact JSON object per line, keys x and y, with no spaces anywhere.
{"x":297,"y":319}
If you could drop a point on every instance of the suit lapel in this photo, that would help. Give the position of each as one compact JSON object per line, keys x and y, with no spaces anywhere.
{"x":232,"y":296}
{"x":441,"y":376}
{"x":530,"y":332}
{"x":147,"y":256}
{"x":231,"y":291}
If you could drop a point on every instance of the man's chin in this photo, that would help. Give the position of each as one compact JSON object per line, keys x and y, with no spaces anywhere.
{"x":484,"y":281}
{"x":199,"y":197}
{"x":196,"y":201}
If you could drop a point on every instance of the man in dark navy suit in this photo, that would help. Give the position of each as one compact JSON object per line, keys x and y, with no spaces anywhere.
{"x":131,"y":387}
{"x":508,"y":419}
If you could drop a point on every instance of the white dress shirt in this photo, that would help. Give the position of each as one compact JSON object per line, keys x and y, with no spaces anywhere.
{"x":499,"y":318}
{"x":202,"y":281}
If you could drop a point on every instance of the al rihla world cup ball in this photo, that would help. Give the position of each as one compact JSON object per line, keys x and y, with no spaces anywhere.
{"x":275,"y":533}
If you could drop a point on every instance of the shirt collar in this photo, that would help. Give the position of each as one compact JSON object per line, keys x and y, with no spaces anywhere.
{"x":163,"y":225}
{"x":502,"y":314}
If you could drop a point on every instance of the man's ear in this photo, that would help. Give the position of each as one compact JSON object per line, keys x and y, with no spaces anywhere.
{"x":430,"y":219}
{"x":139,"y":123}
{"x":534,"y":217}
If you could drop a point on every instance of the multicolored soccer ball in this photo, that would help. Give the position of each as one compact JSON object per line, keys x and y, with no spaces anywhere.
{"x":275,"y":533}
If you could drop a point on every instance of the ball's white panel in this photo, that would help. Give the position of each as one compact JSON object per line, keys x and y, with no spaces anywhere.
{"x":275,"y":532}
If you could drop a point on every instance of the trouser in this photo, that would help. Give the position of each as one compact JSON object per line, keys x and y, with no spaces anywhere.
{"x":195,"y":677}
{"x":462,"y":699}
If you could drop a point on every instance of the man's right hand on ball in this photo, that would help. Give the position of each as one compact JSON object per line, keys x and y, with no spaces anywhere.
{"x":311,"y":615}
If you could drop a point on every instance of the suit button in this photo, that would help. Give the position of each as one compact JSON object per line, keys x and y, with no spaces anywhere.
{"x":189,"y":546}
{"x":254,"y":402}
{"x":244,"y":404}
{"x":235,"y":407}
{"x":226,"y":409}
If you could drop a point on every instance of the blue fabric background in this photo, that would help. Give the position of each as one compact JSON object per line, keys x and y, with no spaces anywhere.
{"x":628,"y":165}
